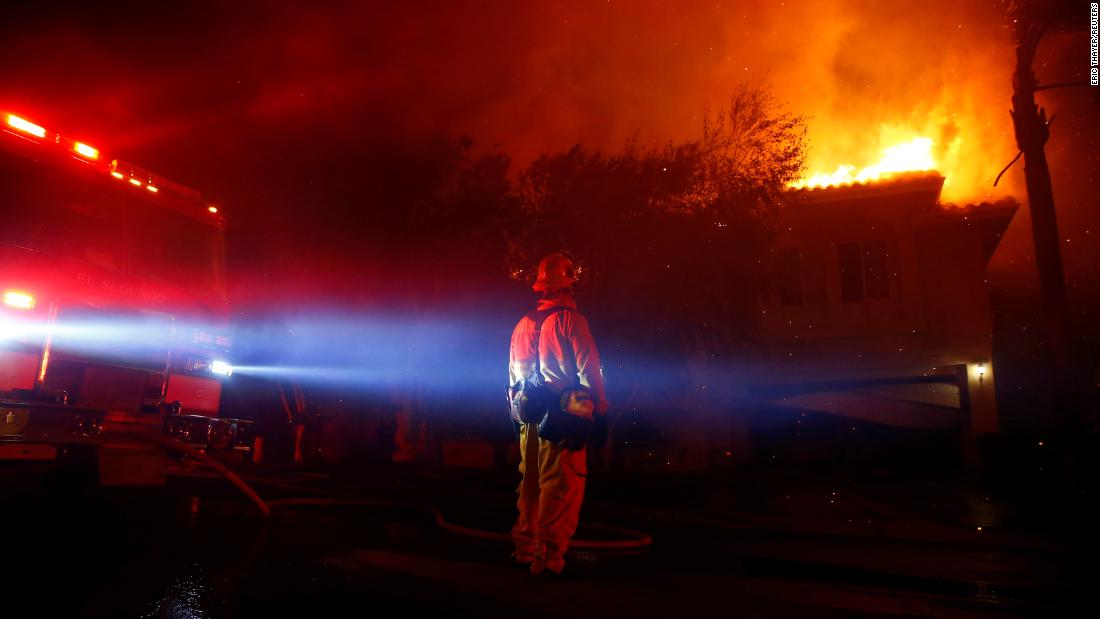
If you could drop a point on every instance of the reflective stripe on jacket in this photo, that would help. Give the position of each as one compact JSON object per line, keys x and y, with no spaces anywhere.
{"x":561,"y":332}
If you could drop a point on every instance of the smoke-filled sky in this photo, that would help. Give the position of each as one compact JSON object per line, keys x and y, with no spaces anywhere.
{"x":531,"y":76}
{"x":230,"y":96}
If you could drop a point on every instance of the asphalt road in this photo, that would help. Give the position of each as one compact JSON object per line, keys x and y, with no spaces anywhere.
{"x":194,"y":549}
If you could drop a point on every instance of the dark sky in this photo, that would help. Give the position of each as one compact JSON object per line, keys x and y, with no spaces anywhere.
{"x":266,"y":106}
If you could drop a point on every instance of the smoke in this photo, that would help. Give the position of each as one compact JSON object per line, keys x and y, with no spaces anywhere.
{"x":534,"y":77}
{"x":256,"y":103}
{"x":872,"y":75}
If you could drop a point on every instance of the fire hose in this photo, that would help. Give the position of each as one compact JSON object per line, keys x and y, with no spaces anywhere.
{"x":635,"y":539}
{"x":172,"y":444}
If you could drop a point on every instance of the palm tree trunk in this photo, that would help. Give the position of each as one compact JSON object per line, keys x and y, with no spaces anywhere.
{"x":1032,"y":131}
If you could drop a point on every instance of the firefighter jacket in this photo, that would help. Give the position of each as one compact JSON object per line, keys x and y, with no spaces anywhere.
{"x":568,"y":352}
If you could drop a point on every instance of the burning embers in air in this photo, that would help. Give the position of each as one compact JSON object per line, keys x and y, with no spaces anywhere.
{"x":912,"y":156}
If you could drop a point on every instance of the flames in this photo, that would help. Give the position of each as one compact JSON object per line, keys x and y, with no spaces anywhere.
{"x":914,"y":155}
{"x":886,"y":95}
{"x":966,"y":149}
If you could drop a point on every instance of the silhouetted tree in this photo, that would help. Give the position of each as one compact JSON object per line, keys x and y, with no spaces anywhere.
{"x":1029,"y":21}
{"x":670,"y":239}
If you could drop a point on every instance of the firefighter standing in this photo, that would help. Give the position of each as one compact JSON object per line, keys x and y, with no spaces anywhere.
{"x":552,"y":489}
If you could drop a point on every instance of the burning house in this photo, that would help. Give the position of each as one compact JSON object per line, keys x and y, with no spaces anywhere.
{"x":879,"y":310}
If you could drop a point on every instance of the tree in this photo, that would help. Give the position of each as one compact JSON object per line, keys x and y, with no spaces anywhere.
{"x":665,"y":228}
{"x":1030,"y":20}
{"x":669,"y":239}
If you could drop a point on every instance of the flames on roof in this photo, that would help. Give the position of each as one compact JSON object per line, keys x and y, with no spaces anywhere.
{"x":924,"y":187}
{"x":930,"y":183}
{"x":914,"y":155}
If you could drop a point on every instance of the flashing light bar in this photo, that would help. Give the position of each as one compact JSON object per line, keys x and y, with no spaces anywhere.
{"x":92,"y":153}
{"x":19,"y":299}
{"x":86,"y":151}
{"x":26,"y":126}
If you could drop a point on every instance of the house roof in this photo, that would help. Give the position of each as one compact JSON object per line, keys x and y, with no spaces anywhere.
{"x":922,"y":186}
{"x":918,"y":191}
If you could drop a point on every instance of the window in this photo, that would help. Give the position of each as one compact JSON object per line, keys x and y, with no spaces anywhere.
{"x":48,"y":211}
{"x":107,"y":225}
{"x":864,"y":271}
{"x":876,"y":270}
{"x":788,"y":277}
{"x":813,"y":276}
{"x":170,"y":247}
{"x":800,"y":277}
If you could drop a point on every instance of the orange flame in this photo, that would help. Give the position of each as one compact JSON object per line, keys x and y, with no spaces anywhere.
{"x":961,"y":147}
{"x":912,"y":156}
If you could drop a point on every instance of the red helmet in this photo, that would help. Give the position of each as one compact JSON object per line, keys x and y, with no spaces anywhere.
{"x":555,"y":271}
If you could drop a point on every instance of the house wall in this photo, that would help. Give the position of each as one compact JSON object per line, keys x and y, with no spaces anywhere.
{"x":934,"y":320}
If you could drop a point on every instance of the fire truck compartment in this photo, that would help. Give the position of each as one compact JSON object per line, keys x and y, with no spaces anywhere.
{"x":17,"y":369}
{"x":101,"y":387}
{"x":54,"y":424}
{"x":196,"y":394}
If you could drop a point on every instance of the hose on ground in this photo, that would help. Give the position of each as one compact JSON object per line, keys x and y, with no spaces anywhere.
{"x":635,"y":539}
{"x":172,"y":444}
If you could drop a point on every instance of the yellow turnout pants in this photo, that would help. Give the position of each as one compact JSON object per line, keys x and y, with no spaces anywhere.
{"x":550,"y":498}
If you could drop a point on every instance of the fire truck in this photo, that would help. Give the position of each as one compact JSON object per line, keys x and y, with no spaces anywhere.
{"x":114,"y":317}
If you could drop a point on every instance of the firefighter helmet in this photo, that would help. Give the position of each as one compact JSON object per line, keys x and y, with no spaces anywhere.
{"x":555,"y":271}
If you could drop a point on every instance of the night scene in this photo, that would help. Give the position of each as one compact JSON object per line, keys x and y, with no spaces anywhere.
{"x":549,"y":308}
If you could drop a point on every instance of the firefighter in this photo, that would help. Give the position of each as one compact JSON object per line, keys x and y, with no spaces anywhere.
{"x":552,"y":488}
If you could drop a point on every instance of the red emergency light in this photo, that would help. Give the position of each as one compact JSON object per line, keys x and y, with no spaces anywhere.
{"x":26,"y":126}
{"x":88,"y":152}
{"x":19,"y":299}
{"x":17,"y":125}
